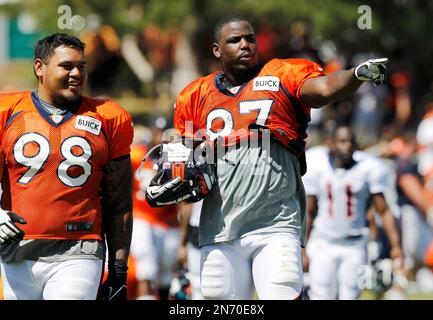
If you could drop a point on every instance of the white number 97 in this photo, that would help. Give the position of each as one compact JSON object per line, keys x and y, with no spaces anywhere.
{"x":245,"y":107}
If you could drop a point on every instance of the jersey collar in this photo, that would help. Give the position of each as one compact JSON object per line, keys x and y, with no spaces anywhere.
{"x":223,"y":89}
{"x":331,"y":160}
{"x":37,"y":102}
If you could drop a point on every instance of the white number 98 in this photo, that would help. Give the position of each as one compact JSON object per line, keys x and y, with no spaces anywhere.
{"x":36,"y":162}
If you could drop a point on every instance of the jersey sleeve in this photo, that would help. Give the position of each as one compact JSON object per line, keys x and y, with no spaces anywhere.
{"x":187,"y":103}
{"x":4,"y":115}
{"x":119,"y":132}
{"x":378,"y":177}
{"x":7,"y":103}
{"x":424,"y":134}
{"x":182,"y":117}
{"x":296,"y":72}
{"x":311,"y":177}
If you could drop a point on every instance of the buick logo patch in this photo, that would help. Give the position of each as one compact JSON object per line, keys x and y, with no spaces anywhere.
{"x":269,"y":83}
{"x":88,"y":124}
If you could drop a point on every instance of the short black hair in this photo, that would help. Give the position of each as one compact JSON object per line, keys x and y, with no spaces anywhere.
{"x":45,"y":47}
{"x":223,"y":21}
{"x":342,"y":126}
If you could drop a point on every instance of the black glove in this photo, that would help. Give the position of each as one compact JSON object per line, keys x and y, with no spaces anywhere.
{"x":373,"y":69}
{"x":114,"y":288}
{"x":8,"y":229}
{"x":171,"y":192}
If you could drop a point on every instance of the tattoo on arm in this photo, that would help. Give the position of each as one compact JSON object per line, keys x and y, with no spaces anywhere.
{"x":117,"y":207}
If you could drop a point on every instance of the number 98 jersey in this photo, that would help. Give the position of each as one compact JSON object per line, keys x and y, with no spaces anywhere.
{"x":53,"y":164}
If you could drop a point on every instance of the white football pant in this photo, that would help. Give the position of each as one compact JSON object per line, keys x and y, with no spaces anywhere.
{"x":75,"y":279}
{"x":155,"y":250}
{"x":335,"y":267}
{"x":270,"y":263}
{"x":193,"y":256}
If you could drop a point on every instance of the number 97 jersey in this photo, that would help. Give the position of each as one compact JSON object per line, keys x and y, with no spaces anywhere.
{"x":206,"y":108}
{"x":53,"y":164}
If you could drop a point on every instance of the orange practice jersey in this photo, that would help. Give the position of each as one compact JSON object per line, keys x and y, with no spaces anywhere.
{"x":54,"y":164}
{"x":205,"y":108}
{"x":165,"y":216}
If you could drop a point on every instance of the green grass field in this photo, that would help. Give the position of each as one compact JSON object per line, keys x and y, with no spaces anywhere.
{"x":370,"y":295}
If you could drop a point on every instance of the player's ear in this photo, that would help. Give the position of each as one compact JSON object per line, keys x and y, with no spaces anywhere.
{"x":216,"y":50}
{"x":38,"y":65}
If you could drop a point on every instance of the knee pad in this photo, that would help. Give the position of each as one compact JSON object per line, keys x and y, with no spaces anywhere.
{"x":287,"y":266}
{"x":215,"y":275}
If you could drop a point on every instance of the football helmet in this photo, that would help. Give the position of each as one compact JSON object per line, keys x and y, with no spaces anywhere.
{"x":184,"y":174}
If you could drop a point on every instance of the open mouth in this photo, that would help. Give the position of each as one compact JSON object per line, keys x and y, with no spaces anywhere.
{"x":74,"y":85}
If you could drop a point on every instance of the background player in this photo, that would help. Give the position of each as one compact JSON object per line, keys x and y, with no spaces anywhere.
{"x":156,"y":235}
{"x":339,"y":186}
{"x":66,"y":171}
{"x":415,"y":202}
{"x":253,"y":219}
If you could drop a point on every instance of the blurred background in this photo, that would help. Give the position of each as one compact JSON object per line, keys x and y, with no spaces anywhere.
{"x":141,"y":53}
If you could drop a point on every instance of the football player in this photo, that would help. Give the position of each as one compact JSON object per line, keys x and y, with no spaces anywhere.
{"x":424,"y":136}
{"x":66,"y":177}
{"x":339,"y":186}
{"x":252,"y":221}
{"x":416,"y":205}
{"x":156,"y":235}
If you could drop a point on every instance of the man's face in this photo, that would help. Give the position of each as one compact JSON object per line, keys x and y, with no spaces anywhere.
{"x":63,"y":77}
{"x":237,"y":47}
{"x":344,"y":144}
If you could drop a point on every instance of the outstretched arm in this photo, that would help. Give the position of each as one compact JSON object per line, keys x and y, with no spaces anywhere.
{"x":320,"y":91}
